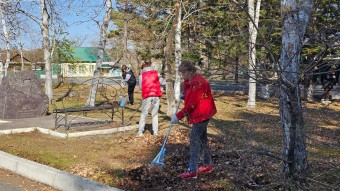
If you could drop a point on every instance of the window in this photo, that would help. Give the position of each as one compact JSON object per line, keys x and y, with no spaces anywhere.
{"x":82,"y":69}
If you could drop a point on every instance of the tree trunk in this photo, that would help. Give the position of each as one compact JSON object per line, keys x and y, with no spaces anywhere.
{"x":308,"y":90}
{"x":178,"y":52}
{"x":295,"y":14}
{"x":236,"y":70}
{"x":21,"y":56}
{"x":1,"y":71}
{"x":46,"y":48}
{"x":103,"y":29}
{"x":125,"y":38}
{"x":253,"y":25}
{"x":6,"y":34}
{"x":169,"y":65}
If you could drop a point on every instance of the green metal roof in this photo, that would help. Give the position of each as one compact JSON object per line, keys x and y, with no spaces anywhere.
{"x":88,"y":54}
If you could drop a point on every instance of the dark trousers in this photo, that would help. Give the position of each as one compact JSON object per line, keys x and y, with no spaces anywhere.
{"x":199,"y":145}
{"x":131,"y":89}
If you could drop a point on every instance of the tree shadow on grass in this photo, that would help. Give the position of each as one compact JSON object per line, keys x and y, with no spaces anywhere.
{"x":235,"y":143}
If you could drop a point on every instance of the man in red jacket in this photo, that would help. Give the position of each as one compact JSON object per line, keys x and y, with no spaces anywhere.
{"x":199,"y":107}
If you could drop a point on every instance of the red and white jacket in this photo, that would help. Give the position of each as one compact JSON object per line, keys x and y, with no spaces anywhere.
{"x":149,"y":83}
{"x":199,"y":103}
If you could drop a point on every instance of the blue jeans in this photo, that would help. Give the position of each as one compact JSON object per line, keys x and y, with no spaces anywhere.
{"x":198,"y":145}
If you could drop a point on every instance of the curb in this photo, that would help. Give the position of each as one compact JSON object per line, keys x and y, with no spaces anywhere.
{"x":66,"y":135}
{"x":55,"y":178}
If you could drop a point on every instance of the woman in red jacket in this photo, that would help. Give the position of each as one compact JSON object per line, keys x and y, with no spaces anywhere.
{"x":199,"y":107}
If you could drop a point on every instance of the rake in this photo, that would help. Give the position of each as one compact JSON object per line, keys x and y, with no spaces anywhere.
{"x":128,"y":122}
{"x":159,"y":159}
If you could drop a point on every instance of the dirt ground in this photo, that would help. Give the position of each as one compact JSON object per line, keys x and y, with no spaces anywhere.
{"x":246,"y":145}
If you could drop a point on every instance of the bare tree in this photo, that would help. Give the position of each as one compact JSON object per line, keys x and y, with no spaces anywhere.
{"x":168,"y":62}
{"x":101,"y":48}
{"x":46,"y":47}
{"x":125,"y":29}
{"x":178,"y":51}
{"x":45,"y":19}
{"x":7,"y":40}
{"x":295,"y":15}
{"x":254,"y":15}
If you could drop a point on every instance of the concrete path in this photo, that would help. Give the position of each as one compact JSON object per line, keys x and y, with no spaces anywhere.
{"x":10,"y":181}
{"x":45,"y":122}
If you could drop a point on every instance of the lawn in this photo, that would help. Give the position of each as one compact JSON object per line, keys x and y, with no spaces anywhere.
{"x":246,"y":146}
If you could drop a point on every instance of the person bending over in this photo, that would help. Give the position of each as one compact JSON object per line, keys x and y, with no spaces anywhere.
{"x":130,"y":79}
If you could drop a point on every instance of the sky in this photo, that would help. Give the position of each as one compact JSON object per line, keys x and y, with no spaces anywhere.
{"x":77,"y":19}
{"x":81,"y":25}
{"x":81,"y":21}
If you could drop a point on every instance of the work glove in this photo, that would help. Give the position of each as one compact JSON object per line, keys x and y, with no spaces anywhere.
{"x":123,"y":83}
{"x":174,"y":119}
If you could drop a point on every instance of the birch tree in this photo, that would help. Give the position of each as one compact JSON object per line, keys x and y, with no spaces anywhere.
{"x":125,"y":38}
{"x":7,"y":41}
{"x":178,"y":51}
{"x":46,"y":48}
{"x":168,"y":49}
{"x":295,"y":15}
{"x":101,"y":49}
{"x":46,"y":17}
{"x":254,"y":15}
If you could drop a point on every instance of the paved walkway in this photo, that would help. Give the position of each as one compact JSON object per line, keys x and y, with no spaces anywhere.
{"x":45,"y":122}
{"x":10,"y":181}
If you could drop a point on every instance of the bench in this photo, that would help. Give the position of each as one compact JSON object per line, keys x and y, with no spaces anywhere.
{"x":109,"y":101}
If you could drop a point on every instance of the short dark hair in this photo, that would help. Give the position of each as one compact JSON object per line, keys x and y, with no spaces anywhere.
{"x":146,"y":64}
{"x":187,"y":66}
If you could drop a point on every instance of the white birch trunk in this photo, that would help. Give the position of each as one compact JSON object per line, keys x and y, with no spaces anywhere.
{"x":125,"y":38}
{"x":21,"y":54}
{"x":295,"y":14}
{"x":310,"y":92}
{"x":169,"y":65}
{"x":1,"y":71}
{"x":103,"y":30}
{"x":253,"y":25}
{"x":178,"y":54}
{"x":46,"y":47}
{"x":7,"y":39}
{"x":20,"y":45}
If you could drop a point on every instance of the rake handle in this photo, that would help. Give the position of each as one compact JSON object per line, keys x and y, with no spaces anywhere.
{"x":167,"y":134}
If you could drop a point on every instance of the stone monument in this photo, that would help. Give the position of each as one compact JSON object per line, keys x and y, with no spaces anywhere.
{"x":21,"y":96}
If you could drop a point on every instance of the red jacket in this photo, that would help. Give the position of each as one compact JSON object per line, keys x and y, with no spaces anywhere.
{"x":150,"y":84}
{"x":199,"y":104}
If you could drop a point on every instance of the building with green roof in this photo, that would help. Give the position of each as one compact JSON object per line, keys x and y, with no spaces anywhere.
{"x":84,"y":64}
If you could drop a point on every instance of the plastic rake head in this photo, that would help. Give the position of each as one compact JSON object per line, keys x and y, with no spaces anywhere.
{"x":159,"y":159}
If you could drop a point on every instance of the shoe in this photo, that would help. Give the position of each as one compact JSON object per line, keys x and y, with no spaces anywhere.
{"x":205,"y":169}
{"x":188,"y":174}
{"x":139,"y":134}
{"x":155,"y":133}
